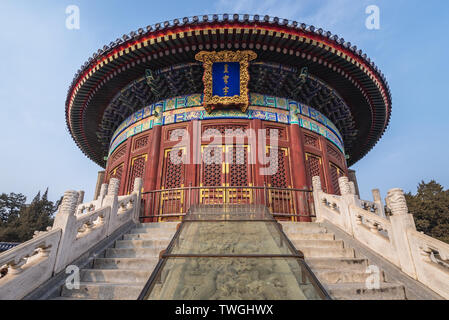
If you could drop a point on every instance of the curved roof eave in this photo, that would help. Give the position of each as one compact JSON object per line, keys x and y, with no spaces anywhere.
{"x":165,"y":44}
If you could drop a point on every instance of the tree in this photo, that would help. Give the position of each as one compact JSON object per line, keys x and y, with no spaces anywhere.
{"x":430,"y":208}
{"x":10,"y":206}
{"x":36,"y":216}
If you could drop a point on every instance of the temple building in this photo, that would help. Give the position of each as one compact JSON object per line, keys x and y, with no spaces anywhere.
{"x":327,"y":101}
{"x":226,"y":142}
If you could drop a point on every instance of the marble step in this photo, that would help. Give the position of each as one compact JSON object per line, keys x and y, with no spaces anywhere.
{"x":304,"y":228}
{"x":167,"y":236}
{"x":155,"y":231}
{"x":126,"y":263}
{"x":104,"y":291}
{"x":359,"y":291}
{"x":141,"y":243}
{"x":134,"y":252}
{"x":115,"y":276}
{"x":317,"y":252}
{"x":358,"y":264}
{"x":311,"y":236}
{"x":162,"y":225}
{"x":331,"y":244}
{"x":331,"y":276}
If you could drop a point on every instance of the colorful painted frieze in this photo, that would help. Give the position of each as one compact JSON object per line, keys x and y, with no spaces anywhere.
{"x":190,"y":107}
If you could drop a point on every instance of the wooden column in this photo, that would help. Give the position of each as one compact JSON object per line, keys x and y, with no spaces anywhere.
{"x":298,"y":157}
{"x":326,"y":165}
{"x":126,"y":167}
{"x":298,"y":161}
{"x":152,"y":175}
{"x":194,"y":129}
{"x":259,"y":179}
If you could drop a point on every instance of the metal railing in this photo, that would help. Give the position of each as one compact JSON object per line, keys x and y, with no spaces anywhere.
{"x":173,"y":204}
{"x":305,"y":276}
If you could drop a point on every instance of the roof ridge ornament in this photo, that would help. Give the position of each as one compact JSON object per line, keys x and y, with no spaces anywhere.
{"x":226,"y":78}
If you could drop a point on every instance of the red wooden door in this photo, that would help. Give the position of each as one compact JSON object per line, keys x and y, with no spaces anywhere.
{"x":213,"y":175}
{"x":314,"y":166}
{"x":172,"y":201}
{"x":225,"y":166}
{"x":280,"y":198}
{"x":238,"y":175}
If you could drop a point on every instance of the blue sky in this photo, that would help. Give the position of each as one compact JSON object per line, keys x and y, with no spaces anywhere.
{"x":39,"y":57}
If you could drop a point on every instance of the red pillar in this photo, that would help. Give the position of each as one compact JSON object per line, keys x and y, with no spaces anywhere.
{"x":298,"y":161}
{"x":126,"y":167}
{"x":326,"y":167}
{"x":151,"y":179}
{"x":153,"y":159}
{"x":194,"y":131}
{"x":259,"y":179}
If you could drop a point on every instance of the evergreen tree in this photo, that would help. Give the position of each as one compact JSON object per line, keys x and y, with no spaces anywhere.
{"x":430,"y":208}
{"x":36,"y":216}
{"x":10,"y":206}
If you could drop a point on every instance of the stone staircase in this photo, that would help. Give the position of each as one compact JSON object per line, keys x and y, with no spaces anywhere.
{"x":337,"y":267}
{"x":121,"y":271}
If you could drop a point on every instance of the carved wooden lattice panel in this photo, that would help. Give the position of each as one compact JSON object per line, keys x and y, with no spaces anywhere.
{"x":118,"y":154}
{"x":172,"y":202}
{"x":334,"y":153}
{"x":238,"y":174}
{"x":280,"y":201}
{"x":336,"y":173}
{"x":176,"y":134}
{"x":225,"y":127}
{"x":141,"y":142}
{"x":311,"y":141}
{"x":212,"y":174}
{"x":281,"y":132}
{"x":314,"y":168}
{"x":137,"y":170}
{"x":225,"y":167}
{"x":280,"y":179}
{"x":174,"y":170}
{"x":116,"y":173}
{"x":238,"y":168}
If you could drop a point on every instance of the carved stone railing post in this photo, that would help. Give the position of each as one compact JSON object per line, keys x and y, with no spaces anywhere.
{"x":378,"y":201}
{"x":137,"y":190}
{"x":111,"y":200}
{"x":102,"y":194}
{"x":401,"y":221}
{"x":349,"y":197}
{"x":317,"y":190}
{"x":66,"y":220}
{"x":352,"y":187}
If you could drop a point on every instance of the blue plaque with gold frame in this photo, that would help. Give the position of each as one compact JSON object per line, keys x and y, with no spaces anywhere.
{"x":226,"y":78}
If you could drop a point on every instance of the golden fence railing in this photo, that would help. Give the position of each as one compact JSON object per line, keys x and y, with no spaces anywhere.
{"x":172,"y":204}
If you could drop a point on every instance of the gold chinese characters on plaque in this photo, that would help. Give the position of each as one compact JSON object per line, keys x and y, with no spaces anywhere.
{"x":226,"y":78}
